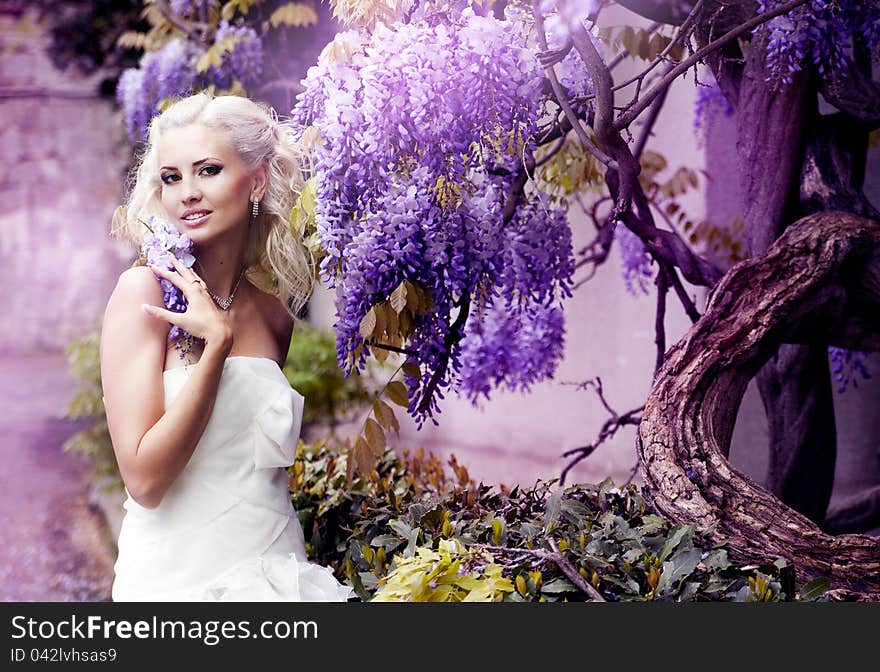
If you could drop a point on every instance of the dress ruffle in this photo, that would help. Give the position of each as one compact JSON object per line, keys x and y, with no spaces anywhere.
{"x":271,"y":578}
{"x":277,"y":430}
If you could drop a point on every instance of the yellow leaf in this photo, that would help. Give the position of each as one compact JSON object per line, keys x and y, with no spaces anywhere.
{"x":363,"y":456}
{"x":385,"y":415}
{"x":413,"y":370}
{"x":368,"y":324}
{"x":380,"y":354}
{"x":375,"y":437}
{"x":131,"y":39}
{"x":293,"y":14}
{"x":497,"y":530}
{"x":398,"y":393}
{"x":214,"y":55}
{"x":398,"y":297}
{"x":392,"y":323}
{"x":413,"y":297}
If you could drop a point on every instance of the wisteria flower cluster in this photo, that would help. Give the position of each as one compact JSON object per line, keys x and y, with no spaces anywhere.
{"x":244,"y":62}
{"x":423,"y":126}
{"x":709,"y":103}
{"x":166,"y":73}
{"x":820,"y":32}
{"x":506,"y":348}
{"x":188,"y":7}
{"x":171,"y":72}
{"x":159,"y":244}
{"x":635,"y":261}
{"x":847,"y":366}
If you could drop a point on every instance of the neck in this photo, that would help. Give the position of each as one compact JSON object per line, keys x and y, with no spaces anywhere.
{"x":219,"y":268}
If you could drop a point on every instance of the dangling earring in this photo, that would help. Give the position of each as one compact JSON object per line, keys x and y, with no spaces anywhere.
{"x":255,"y":210}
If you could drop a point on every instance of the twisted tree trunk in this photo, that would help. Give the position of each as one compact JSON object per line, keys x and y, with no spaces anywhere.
{"x":819,"y":283}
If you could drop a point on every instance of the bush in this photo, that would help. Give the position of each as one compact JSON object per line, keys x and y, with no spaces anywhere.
{"x":415,"y":534}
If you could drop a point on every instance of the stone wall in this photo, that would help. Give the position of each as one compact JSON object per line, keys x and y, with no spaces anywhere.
{"x":63,"y":157}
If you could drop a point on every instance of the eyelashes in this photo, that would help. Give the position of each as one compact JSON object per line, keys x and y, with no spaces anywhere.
{"x":210,"y":170}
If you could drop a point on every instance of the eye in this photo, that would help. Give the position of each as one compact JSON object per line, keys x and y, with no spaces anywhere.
{"x":211,"y":170}
{"x":168,"y":178}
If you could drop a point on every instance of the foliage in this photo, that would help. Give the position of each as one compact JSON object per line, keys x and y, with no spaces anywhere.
{"x":416,"y":534}
{"x":92,"y":442}
{"x":312,"y":371}
{"x":86,"y":35}
{"x":238,"y":47}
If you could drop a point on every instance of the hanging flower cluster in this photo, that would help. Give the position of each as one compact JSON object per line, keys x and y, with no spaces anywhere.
{"x":424,"y":126}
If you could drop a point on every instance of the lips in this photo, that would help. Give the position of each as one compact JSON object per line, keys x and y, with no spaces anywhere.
{"x":195,"y":217}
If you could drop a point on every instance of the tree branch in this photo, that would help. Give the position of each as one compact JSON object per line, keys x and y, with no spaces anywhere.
{"x":562,"y":97}
{"x":196,"y":31}
{"x":452,"y":336}
{"x":608,"y":430}
{"x":660,"y":318}
{"x":637,"y":108}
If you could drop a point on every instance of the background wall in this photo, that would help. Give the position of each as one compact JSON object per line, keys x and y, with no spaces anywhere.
{"x":62,"y":161}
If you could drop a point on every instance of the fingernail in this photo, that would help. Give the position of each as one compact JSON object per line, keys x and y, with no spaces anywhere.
{"x":146,"y":308}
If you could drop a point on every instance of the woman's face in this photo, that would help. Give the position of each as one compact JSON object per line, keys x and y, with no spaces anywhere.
{"x":206,"y":189}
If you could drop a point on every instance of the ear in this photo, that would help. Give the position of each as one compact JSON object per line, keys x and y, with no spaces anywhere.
{"x":260,"y":182}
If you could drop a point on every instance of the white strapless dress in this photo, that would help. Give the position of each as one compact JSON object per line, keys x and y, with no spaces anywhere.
{"x":226,"y":529}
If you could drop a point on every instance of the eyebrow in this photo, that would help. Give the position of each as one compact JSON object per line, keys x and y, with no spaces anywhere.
{"x":196,"y":164}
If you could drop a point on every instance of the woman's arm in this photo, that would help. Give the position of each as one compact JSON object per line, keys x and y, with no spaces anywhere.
{"x":152,"y":445}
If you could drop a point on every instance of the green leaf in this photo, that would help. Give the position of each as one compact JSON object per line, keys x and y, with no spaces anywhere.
{"x":386,"y":541}
{"x":554,"y":508}
{"x":677,"y":535}
{"x":681,"y":565}
{"x":815,"y":588}
{"x":559,"y":586}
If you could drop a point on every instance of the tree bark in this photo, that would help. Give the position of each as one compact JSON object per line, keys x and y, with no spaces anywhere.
{"x":818,"y":284}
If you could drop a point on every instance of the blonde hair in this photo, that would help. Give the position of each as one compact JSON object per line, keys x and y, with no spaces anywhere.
{"x":258,"y":138}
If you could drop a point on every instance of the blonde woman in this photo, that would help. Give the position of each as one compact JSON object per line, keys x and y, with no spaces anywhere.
{"x":203,"y":434}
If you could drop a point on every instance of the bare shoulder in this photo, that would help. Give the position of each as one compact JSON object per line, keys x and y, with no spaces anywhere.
{"x":276,"y":317}
{"x":139,"y":284}
{"x":127,"y":331}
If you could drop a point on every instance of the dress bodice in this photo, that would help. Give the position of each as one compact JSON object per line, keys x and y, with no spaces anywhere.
{"x":226,"y":528}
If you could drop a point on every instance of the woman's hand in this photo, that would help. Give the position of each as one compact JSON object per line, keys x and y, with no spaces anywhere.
{"x":202,"y":318}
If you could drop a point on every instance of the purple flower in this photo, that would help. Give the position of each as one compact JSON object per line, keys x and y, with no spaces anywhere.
{"x":820,"y":32}
{"x":245,"y":60}
{"x":166,"y":73}
{"x":845,"y":364}
{"x":635,"y":261}
{"x":424,"y":126}
{"x":159,"y":245}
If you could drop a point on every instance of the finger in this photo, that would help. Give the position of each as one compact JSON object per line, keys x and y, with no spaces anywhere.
{"x":184,"y":270}
{"x":169,"y":275}
{"x":160,"y":313}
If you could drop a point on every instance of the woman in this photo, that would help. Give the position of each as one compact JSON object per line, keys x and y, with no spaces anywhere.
{"x":202,"y":434}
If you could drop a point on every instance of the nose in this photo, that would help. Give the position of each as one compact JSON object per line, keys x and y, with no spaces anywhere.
{"x":191,"y":194}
